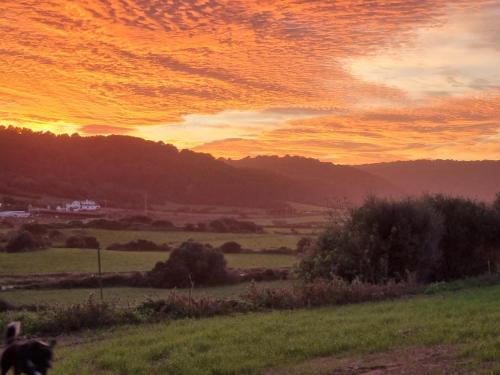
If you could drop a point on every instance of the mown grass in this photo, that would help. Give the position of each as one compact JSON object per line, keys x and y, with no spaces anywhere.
{"x":247,"y":240}
{"x":123,"y":295}
{"x":82,"y":260}
{"x":247,"y":344}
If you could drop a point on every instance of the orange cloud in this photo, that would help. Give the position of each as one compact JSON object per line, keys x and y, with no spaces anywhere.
{"x":148,"y":68}
{"x":459,"y":128}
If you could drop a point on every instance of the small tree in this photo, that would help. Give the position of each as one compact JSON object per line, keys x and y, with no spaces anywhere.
{"x":192,"y":262}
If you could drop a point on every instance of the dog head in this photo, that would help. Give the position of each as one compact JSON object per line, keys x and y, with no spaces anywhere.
{"x":41,"y":354}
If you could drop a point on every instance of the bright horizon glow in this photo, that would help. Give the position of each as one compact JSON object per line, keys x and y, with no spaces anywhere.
{"x":349,"y":82}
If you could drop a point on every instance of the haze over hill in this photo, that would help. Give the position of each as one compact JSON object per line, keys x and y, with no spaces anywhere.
{"x":122,"y":169}
{"x":474,"y":179}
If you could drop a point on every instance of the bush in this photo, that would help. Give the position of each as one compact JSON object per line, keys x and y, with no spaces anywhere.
{"x":35,"y":229}
{"x":106,"y":224}
{"x":231,"y":247}
{"x":434,"y":237}
{"x":5,"y":306}
{"x":470,"y":239}
{"x":137,"y":219}
{"x":190,"y":264}
{"x":82,"y":242}
{"x":55,"y":234}
{"x":282,"y":250}
{"x":25,"y":241}
{"x":162,"y":224}
{"x":139,"y":245}
{"x":228,"y":225}
{"x":90,"y":314}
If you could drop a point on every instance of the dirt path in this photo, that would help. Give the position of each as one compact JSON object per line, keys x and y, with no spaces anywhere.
{"x":437,"y":360}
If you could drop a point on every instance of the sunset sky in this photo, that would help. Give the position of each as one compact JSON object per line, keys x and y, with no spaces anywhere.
{"x":343,"y":81}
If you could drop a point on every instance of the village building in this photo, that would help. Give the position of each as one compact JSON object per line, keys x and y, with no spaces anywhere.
{"x":75,"y":206}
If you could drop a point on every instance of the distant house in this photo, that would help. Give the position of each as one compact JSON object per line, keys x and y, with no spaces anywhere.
{"x":86,"y":205}
{"x":17,"y":214}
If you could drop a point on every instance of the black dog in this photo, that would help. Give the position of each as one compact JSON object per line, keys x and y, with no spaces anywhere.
{"x":31,"y":357}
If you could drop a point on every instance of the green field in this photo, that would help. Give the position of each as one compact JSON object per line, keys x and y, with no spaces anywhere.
{"x":247,"y":240}
{"x":123,"y":295}
{"x":248,"y":344}
{"x":82,"y":260}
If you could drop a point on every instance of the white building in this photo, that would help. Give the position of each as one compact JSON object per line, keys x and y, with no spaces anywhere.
{"x":18,"y":214}
{"x":86,"y":205}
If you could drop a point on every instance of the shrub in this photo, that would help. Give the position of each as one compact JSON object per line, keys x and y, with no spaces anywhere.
{"x":35,"y":229}
{"x":190,"y":264}
{"x":229,"y":225}
{"x":75,"y":224}
{"x":231,"y":247}
{"x":106,"y":224}
{"x":137,"y":219}
{"x":24,"y":241}
{"x":162,"y":224}
{"x":434,"y":237}
{"x":282,"y":250}
{"x":5,"y":306}
{"x":139,"y":245}
{"x":82,"y":242}
{"x":189,"y":227}
{"x":90,"y":314}
{"x":55,"y":234}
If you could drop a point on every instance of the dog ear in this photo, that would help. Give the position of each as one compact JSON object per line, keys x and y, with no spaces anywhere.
{"x":52,"y":343}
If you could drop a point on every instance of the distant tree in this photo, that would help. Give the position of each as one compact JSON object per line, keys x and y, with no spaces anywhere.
{"x":24,"y":241}
{"x":35,"y":228}
{"x":162,"y":224}
{"x":82,"y":242}
{"x":231,"y":247}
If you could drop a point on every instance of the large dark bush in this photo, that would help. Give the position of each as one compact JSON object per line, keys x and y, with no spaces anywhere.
{"x":25,"y":241}
{"x":82,"y":242}
{"x":192,"y":263}
{"x":433,"y":237}
{"x":470,"y":238}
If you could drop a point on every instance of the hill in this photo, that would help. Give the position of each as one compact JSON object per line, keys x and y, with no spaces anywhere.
{"x":123,"y":169}
{"x":473,"y":179}
{"x":321,"y":180}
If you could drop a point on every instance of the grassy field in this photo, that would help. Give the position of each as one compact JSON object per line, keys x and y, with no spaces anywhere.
{"x":247,"y":240}
{"x":249,"y":344}
{"x":80,"y":260}
{"x":123,"y":295}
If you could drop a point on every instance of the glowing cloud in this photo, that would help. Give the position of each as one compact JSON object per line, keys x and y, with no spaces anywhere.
{"x":350,"y":80}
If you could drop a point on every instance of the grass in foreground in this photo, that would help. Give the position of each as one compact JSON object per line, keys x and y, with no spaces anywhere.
{"x":81,"y":260}
{"x":247,"y":344}
{"x":124,"y":296}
